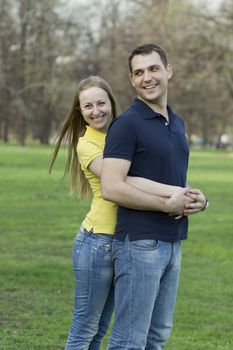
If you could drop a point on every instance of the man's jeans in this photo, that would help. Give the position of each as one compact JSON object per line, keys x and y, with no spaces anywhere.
{"x":146,"y":283}
{"x":94,"y":294}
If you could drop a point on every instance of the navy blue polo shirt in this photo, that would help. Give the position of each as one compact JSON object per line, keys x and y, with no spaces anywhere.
{"x":158,"y":151}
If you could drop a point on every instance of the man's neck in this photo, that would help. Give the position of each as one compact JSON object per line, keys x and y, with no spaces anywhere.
{"x":160,"y":108}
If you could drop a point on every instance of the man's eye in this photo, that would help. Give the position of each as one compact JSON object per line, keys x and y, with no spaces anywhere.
{"x":138,"y":73}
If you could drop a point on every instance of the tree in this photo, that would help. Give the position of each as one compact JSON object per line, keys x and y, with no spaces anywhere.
{"x":7,"y":34}
{"x":48,"y":49}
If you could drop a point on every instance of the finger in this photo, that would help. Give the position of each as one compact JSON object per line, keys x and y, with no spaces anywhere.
{"x":194,"y":205}
{"x":176,"y":214}
{"x":178,"y":217}
{"x":194,"y":191}
{"x":191,"y":211}
{"x":194,"y":197}
{"x":190,"y":199}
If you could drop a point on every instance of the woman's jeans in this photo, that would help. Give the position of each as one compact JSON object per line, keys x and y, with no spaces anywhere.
{"x":146,"y":282}
{"x":94,"y":294}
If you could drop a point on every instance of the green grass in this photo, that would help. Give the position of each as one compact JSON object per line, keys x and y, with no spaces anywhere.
{"x":38,"y":221}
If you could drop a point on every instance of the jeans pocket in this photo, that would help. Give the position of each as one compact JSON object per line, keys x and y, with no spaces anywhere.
{"x":103,"y":243}
{"x":81,"y":242}
{"x":106,"y":247}
{"x":102,"y":251}
{"x":145,"y":244}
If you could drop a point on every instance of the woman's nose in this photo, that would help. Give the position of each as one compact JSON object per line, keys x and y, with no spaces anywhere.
{"x":95,"y":110}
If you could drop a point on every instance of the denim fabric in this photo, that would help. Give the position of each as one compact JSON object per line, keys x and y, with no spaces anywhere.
{"x":94,"y":294}
{"x":146,"y":283}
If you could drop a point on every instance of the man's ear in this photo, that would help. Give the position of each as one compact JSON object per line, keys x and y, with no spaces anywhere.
{"x":131,"y":79}
{"x":169,"y":71}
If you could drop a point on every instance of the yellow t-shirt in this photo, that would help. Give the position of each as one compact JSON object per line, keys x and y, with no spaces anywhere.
{"x":102,"y":215}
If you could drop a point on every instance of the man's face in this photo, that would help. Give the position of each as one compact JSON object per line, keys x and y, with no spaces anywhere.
{"x":150,"y":77}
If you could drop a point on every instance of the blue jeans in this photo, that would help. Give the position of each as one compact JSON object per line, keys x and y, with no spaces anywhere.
{"x":94,"y":294}
{"x":146,"y":283}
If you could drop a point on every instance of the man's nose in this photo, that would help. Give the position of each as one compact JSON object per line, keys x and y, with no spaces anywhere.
{"x":147,"y":75}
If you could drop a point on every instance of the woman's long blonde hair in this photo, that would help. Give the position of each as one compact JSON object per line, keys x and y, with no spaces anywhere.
{"x":73,"y":127}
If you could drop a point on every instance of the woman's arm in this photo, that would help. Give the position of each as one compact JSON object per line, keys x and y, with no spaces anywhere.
{"x":152,"y":187}
{"x":149,"y":186}
{"x":96,"y":165}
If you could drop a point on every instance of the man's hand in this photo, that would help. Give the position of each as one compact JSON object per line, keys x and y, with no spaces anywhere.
{"x":177,"y":203}
{"x":199,"y":202}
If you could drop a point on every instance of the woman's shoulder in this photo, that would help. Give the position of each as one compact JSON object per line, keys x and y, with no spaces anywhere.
{"x":87,"y":148}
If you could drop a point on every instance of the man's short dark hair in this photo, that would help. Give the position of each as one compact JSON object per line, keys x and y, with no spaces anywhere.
{"x":146,"y":50}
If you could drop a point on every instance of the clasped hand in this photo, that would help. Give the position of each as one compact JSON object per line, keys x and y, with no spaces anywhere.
{"x":187,"y":201}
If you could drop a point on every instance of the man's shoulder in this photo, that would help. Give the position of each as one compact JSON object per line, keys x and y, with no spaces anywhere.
{"x":174,"y":114}
{"x":124,"y":127}
{"x":131,"y":111}
{"x":178,"y":116}
{"x":178,"y":120}
{"x":127,"y":117}
{"x":120,"y":124}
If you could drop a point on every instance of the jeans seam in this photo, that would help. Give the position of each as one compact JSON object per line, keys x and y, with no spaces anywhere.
{"x":131,"y":291}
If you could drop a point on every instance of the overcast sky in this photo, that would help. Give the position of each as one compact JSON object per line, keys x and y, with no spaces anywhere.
{"x":211,"y":3}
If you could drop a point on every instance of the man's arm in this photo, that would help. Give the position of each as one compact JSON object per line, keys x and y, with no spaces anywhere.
{"x":116,"y":189}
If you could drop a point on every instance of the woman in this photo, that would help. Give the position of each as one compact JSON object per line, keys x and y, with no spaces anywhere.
{"x":85,"y":129}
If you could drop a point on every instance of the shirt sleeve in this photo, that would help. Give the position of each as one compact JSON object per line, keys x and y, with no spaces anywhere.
{"x":87,"y":152}
{"x":121,"y":139}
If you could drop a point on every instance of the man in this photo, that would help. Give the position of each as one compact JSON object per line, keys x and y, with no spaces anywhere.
{"x":147,"y":140}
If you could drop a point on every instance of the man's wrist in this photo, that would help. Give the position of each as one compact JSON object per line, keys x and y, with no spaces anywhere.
{"x":169,"y":206}
{"x":206,"y":204}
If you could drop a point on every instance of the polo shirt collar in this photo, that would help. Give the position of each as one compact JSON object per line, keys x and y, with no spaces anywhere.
{"x":146,"y":112}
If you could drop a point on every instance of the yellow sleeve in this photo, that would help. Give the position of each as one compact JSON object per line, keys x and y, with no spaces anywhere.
{"x":87,"y":152}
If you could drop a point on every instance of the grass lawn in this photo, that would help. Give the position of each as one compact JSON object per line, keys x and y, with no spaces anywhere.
{"x":38,"y":221}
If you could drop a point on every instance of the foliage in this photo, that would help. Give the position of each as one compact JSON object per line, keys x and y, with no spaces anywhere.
{"x":47,"y":46}
{"x":38,"y":223}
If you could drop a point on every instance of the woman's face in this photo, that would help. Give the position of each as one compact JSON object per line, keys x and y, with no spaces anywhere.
{"x":96,"y":108}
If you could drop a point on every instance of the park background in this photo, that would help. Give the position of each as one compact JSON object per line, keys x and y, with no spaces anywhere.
{"x":46,"y":48}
